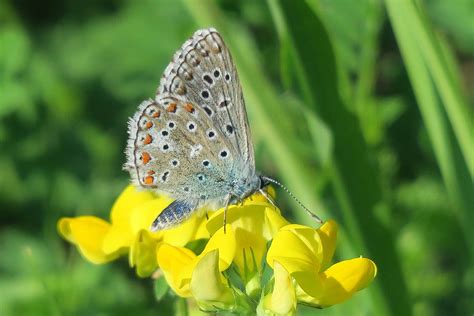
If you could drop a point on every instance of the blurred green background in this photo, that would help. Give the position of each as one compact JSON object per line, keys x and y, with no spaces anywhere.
{"x":364,"y":109}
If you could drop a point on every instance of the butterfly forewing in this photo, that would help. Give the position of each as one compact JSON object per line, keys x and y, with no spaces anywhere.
{"x":203,"y":72}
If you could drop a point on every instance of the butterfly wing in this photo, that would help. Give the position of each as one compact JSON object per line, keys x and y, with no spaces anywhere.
{"x":175,"y":149}
{"x":193,"y":141}
{"x":203,"y":72}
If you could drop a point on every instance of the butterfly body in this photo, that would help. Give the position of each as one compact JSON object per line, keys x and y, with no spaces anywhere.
{"x":192,"y":141}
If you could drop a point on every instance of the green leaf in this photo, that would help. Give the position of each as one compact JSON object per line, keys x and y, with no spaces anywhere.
{"x":197,"y":246}
{"x":322,"y":136}
{"x":161,"y":288}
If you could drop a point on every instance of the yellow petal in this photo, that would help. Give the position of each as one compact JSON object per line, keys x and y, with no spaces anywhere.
{"x":177,"y":264}
{"x":225,"y":243}
{"x":250,"y":250}
{"x":257,"y":217}
{"x":143,"y":254}
{"x":328,"y":234}
{"x":258,"y":197}
{"x":125,"y":217}
{"x":344,"y":279}
{"x":87,"y":233}
{"x":298,"y":249}
{"x":119,"y":238}
{"x":273,"y":222}
{"x":128,"y":199}
{"x":192,"y":229}
{"x":207,"y":286}
{"x":282,"y":301}
{"x":143,"y":214}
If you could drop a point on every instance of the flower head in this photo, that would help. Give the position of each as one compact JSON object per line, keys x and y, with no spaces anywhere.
{"x":228,"y":272}
{"x":305,"y":253}
{"x":128,"y":231}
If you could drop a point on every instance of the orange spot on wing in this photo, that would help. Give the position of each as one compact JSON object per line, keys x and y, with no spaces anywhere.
{"x":171,"y":107}
{"x":148,"y":125}
{"x":148,"y":180}
{"x":156,"y":114}
{"x":150,"y":172}
{"x":146,"y":157}
{"x":189,"y":108}
{"x":147,"y":139}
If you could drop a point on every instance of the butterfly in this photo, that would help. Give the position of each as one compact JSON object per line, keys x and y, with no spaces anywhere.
{"x":192,"y":142}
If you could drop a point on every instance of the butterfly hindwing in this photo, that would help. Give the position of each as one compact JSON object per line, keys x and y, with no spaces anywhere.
{"x":174,"y":148}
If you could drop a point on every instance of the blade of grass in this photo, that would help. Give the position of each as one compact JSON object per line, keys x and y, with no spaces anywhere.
{"x":448,"y":86}
{"x":453,"y":168}
{"x":354,"y":177}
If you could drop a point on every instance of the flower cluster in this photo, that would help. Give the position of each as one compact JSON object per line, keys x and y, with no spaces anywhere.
{"x":260,"y":264}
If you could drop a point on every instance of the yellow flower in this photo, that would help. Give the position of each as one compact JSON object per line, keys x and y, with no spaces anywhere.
{"x":254,"y":223}
{"x":131,"y":216}
{"x":248,"y":229}
{"x":304,"y":253}
{"x":208,"y":286}
{"x":87,"y":232}
{"x":201,"y":276}
{"x":282,"y":300}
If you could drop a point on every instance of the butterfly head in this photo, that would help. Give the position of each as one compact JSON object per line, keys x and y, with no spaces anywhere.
{"x":263,"y":182}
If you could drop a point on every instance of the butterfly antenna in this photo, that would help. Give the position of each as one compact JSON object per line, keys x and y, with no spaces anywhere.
{"x":316,"y":217}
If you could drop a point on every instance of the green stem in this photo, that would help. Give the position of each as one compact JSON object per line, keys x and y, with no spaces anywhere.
{"x":181,"y":307}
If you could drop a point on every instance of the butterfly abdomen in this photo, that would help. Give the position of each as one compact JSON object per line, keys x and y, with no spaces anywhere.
{"x":175,"y":213}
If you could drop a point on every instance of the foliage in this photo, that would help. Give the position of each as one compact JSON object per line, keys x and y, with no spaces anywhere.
{"x":363,"y":108}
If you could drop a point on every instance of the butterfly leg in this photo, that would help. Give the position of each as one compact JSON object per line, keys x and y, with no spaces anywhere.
{"x":269,"y":199}
{"x":225,"y":210}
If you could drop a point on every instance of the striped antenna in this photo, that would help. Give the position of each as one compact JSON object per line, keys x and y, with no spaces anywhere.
{"x":316,"y":217}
